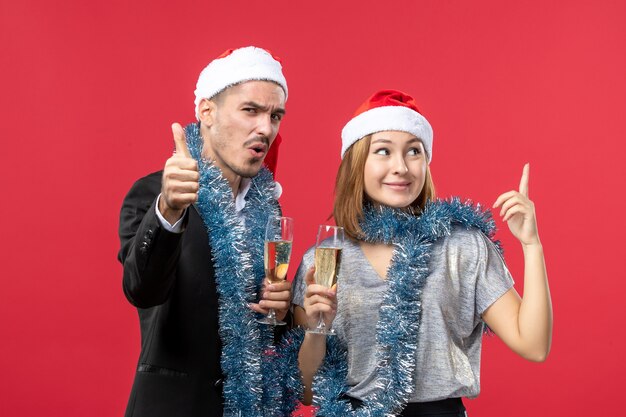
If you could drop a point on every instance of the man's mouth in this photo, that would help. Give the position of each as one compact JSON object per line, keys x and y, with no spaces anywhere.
{"x":258,"y":149}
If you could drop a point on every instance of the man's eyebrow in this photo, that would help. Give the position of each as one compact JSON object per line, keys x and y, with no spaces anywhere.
{"x":258,"y":106}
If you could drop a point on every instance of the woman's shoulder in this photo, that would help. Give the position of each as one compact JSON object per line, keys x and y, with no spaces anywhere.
{"x":462,"y":234}
{"x":468,"y":239}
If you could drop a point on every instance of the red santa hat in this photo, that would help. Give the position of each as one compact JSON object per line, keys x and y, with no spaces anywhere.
{"x":236,"y":66}
{"x":384,"y":111}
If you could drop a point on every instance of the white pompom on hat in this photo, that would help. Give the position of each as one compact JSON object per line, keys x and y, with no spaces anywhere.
{"x":236,"y":66}
{"x":388,"y":110}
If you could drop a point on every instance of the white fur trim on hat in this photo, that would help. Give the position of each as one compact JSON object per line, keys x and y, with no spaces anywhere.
{"x":243,"y":64}
{"x":380,"y":119}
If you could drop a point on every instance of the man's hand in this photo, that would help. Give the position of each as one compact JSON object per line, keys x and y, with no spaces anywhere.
{"x":180,"y":185}
{"x":276,"y":296}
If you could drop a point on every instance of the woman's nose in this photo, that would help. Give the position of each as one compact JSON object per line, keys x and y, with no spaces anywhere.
{"x":400,"y":166}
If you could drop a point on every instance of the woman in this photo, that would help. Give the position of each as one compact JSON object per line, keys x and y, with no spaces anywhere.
{"x":418,"y":281}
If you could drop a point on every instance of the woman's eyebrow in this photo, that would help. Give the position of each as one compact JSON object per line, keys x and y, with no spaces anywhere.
{"x":384,"y":140}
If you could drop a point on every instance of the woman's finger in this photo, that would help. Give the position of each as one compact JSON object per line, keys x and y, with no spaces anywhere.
{"x":314,"y":311}
{"x":316,"y":289}
{"x":517,"y":199}
{"x":503,"y":197}
{"x":513,"y":211}
{"x":309,"y":277}
{"x":319,"y":299}
{"x":523,"y":184}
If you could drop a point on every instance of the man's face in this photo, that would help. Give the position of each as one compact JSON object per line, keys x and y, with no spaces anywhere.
{"x":240,"y":125}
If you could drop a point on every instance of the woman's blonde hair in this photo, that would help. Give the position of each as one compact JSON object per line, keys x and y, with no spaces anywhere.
{"x":350,"y":189}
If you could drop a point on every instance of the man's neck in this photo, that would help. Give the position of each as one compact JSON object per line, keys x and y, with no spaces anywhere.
{"x":233,"y":179}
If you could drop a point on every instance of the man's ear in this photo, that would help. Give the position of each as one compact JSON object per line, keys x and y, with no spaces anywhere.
{"x":206,"y":111}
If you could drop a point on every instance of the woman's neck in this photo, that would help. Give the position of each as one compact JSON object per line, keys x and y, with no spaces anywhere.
{"x":378,"y":255}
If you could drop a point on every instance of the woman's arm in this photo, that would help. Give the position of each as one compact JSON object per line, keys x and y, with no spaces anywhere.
{"x":524,"y":324}
{"x":318,"y":299}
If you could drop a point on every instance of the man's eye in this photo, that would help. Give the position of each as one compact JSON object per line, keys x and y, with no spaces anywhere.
{"x":277,"y":117}
{"x":249,"y":110}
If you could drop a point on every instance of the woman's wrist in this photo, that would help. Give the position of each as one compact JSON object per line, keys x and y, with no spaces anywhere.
{"x":532,"y":246}
{"x":314,"y":341}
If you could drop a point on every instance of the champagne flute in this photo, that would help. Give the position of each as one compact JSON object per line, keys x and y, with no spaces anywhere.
{"x":328,"y":248}
{"x":278,"y":240}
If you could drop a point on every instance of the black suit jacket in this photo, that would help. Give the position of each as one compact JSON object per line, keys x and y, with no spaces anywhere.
{"x":170,"y":279}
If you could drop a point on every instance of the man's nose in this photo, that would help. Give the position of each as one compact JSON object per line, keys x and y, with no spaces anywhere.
{"x":264,"y":125}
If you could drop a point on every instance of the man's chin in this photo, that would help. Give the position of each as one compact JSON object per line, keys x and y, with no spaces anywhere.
{"x":250,"y":170}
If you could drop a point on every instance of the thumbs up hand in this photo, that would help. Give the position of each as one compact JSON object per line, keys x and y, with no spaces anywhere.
{"x":179,"y":186}
{"x":519,"y":211}
{"x":180,"y":141}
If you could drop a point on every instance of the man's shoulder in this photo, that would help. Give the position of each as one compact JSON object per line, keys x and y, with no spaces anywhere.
{"x":146,"y":187}
{"x":151,"y":181}
{"x":153,"y":178}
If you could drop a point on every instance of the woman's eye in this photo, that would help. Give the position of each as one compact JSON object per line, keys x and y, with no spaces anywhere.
{"x":381,"y":151}
{"x":414,"y":151}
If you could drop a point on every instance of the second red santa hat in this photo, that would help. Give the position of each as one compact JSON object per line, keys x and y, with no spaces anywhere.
{"x":384,"y":111}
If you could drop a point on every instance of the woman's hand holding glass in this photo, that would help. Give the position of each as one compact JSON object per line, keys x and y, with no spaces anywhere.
{"x":328,"y":248}
{"x":319,"y":301}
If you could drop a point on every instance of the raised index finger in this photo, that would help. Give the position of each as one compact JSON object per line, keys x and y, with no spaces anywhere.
{"x":179,"y":140}
{"x":523,"y":184}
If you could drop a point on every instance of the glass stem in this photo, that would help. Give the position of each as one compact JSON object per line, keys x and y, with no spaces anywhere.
{"x":320,"y":324}
{"x":272,"y":314}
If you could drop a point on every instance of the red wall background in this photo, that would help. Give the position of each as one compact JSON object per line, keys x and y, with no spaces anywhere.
{"x":88,"y":91}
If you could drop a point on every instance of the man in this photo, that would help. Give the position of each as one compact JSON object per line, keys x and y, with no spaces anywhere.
{"x":192,"y":249}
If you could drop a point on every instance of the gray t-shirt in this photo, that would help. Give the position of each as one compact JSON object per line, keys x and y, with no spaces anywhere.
{"x":467,"y":274}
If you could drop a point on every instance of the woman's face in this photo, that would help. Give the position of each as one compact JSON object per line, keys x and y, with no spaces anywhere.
{"x":395,"y":168}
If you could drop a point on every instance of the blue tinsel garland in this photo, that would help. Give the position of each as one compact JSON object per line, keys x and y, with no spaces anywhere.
{"x":400,"y":312}
{"x":237,"y":253}
{"x":286,"y":372}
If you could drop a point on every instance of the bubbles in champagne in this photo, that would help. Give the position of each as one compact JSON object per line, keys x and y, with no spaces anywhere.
{"x":277,"y":254}
{"x":327,"y":262}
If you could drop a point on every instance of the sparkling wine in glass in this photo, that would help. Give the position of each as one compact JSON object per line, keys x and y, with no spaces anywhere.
{"x":327,"y":260}
{"x":278,"y":240}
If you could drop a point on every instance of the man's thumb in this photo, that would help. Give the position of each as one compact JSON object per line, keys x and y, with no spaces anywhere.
{"x":179,"y":140}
